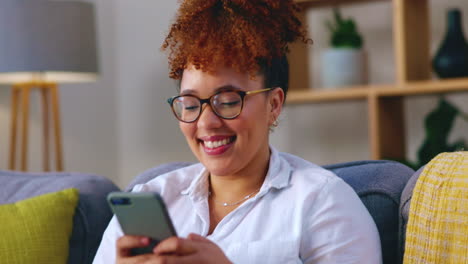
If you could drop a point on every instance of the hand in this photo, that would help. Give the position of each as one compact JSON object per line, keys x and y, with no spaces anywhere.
{"x":195,"y":249}
{"x":124,"y":246}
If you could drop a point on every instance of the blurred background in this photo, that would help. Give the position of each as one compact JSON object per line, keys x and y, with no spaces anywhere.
{"x":121,"y":125}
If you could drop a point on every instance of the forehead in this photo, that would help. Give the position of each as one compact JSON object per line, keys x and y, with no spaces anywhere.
{"x":203,"y":83}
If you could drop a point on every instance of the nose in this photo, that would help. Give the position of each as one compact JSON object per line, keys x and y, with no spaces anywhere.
{"x":208,"y":119}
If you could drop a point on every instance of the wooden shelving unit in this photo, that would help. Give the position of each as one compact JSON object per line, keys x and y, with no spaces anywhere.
{"x":385,"y":102}
{"x":318,"y":96}
{"x":325,"y":3}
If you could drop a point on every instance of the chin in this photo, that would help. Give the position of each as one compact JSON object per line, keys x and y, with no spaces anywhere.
{"x":218,"y":167}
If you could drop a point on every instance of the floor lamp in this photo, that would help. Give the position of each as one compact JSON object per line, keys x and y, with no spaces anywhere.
{"x":44,"y":43}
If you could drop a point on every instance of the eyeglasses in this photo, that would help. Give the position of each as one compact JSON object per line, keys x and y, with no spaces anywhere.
{"x":225,"y":104}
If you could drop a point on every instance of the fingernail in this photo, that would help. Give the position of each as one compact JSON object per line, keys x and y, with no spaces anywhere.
{"x":144,"y":241}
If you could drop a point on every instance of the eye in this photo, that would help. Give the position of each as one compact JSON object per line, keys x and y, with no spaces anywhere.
{"x":227,"y":100}
{"x":191,"y":108}
{"x":230,"y":103}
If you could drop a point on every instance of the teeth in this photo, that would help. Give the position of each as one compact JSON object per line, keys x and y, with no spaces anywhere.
{"x":216,"y":144}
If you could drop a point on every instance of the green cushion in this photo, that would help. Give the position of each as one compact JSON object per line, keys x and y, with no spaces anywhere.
{"x":37,"y":230}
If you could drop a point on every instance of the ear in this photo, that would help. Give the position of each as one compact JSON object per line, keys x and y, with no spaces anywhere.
{"x":276,"y":100}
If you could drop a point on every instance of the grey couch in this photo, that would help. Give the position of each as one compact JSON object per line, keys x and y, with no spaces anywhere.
{"x":379,"y":184}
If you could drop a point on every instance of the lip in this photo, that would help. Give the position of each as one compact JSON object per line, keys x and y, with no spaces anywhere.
{"x":216,"y":151}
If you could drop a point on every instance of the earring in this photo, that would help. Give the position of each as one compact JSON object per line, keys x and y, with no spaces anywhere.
{"x":275,"y":123}
{"x":272,"y":126}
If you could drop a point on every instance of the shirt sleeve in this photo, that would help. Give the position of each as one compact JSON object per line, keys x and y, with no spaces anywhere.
{"x":106,"y":252}
{"x":338,"y":228}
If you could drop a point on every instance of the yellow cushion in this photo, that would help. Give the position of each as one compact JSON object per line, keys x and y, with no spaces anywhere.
{"x":437,"y":227}
{"x":37,"y":230}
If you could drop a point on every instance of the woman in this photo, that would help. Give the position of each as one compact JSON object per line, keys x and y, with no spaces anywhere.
{"x":244,"y":202}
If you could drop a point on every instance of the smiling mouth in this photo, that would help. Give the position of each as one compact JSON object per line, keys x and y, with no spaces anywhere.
{"x":218,"y":143}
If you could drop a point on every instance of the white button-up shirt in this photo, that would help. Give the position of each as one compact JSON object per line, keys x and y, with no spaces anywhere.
{"x":302,"y":214}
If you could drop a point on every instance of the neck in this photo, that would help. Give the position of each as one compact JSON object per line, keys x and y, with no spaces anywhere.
{"x":234,"y":187}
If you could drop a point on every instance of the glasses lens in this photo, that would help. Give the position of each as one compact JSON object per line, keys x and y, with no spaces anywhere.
{"x":186,"y":108}
{"x":227,"y":104}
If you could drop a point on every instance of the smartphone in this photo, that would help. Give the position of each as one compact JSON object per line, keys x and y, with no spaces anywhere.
{"x":142,"y":214}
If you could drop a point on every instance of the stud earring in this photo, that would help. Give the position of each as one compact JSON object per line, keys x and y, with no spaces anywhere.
{"x":275,"y":123}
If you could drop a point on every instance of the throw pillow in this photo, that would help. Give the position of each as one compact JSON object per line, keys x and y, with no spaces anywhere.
{"x":37,"y":230}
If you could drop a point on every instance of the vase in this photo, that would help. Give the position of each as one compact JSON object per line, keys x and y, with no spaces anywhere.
{"x":451,"y":60}
{"x":343,"y":67}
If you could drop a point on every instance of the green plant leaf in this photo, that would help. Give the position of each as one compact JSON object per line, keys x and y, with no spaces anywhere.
{"x":344,"y":32}
{"x":459,"y":145}
{"x":337,"y":14}
{"x":349,"y":27}
{"x":330,"y":26}
{"x":438,"y":125}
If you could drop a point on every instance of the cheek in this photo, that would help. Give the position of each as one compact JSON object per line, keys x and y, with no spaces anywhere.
{"x":254,"y":119}
{"x":187,"y":129}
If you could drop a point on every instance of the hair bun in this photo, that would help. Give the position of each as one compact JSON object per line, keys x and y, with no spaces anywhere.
{"x":235,"y":33}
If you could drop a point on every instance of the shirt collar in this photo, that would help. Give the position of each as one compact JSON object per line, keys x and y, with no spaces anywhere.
{"x":199,"y":185}
{"x":279,"y":172}
{"x":278,"y":177}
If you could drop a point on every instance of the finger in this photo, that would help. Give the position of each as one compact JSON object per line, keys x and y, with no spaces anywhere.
{"x":175,"y":245}
{"x":146,"y":258}
{"x":126,"y":243}
{"x":173,"y":259}
{"x":196,"y":237}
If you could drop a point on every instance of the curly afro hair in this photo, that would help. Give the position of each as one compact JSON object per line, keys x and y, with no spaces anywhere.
{"x":246,"y":35}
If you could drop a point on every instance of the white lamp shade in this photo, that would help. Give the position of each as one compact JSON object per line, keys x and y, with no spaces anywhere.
{"x":47,"y":40}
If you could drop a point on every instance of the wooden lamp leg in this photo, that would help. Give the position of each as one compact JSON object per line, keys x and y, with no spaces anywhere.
{"x":45,"y":126}
{"x":25,"y":126}
{"x":15,"y":93}
{"x":49,"y":94}
{"x":58,"y":135}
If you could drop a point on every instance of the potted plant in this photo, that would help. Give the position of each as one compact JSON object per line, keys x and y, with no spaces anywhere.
{"x":345,"y":62}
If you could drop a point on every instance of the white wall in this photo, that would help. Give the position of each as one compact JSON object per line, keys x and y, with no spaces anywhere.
{"x":122,"y":125}
{"x":149,"y":134}
{"x":89,"y":117}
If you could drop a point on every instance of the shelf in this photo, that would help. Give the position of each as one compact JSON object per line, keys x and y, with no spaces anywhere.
{"x":337,"y":94}
{"x":428,"y":87}
{"x":362,"y":92}
{"x":325,"y":3}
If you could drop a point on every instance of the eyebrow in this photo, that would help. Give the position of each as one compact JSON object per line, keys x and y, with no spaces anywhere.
{"x":228,"y":87}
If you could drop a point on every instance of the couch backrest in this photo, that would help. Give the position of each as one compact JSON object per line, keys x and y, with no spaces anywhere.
{"x":378,"y":183}
{"x":92,"y":214}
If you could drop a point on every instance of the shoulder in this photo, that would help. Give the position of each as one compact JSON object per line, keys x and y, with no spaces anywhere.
{"x":335,"y":223}
{"x":306,"y":173}
{"x":319,"y":190}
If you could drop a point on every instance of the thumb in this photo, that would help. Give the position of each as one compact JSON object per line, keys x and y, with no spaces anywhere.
{"x":195,"y":237}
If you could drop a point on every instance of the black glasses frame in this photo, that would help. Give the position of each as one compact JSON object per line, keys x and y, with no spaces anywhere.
{"x":209,"y":100}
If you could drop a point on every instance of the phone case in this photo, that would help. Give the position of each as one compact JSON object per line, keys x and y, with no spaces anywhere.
{"x":142,"y":214}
